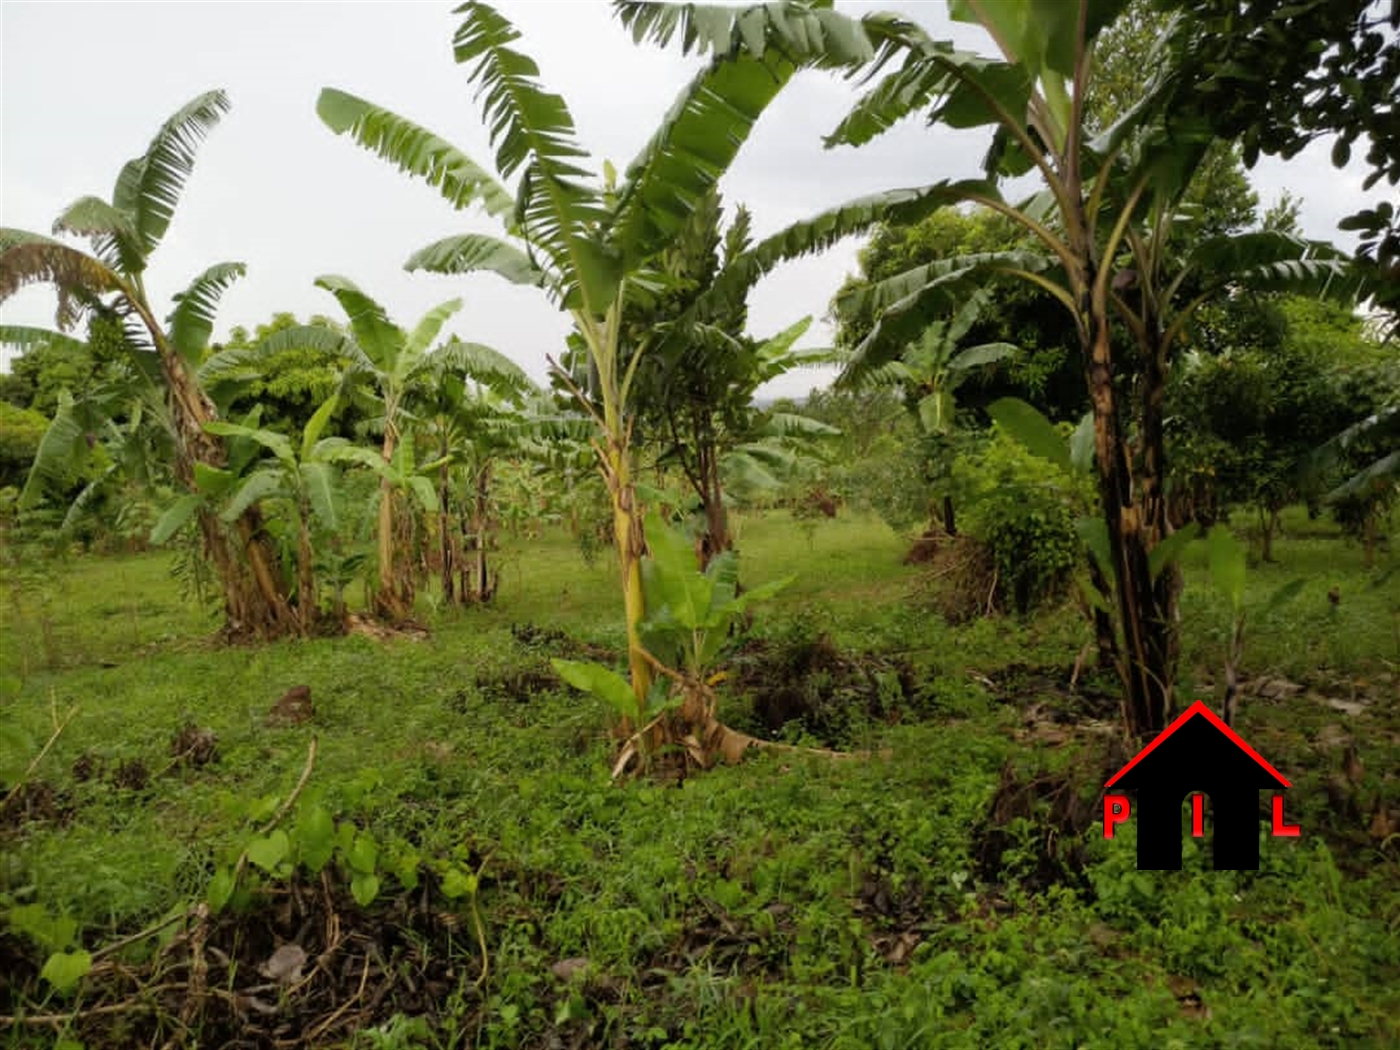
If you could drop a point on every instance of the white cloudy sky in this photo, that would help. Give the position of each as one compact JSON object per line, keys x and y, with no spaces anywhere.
{"x":84,"y":85}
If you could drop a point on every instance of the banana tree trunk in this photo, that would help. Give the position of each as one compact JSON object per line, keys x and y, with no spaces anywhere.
{"x":628,"y":536}
{"x":1104,"y":638}
{"x":306,"y":578}
{"x":1268,"y":520}
{"x":716,"y":539}
{"x":1162,"y":592}
{"x":275,"y":617}
{"x":447,"y":534}
{"x":388,"y":601}
{"x":462,"y":544}
{"x":255,"y":600}
{"x":481,"y":512}
{"x":1147,"y":661}
{"x":241,"y":607}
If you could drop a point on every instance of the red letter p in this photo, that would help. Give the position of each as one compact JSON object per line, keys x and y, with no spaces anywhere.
{"x":1115,"y":811}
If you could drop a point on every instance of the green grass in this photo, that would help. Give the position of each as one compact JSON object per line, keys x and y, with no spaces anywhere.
{"x":790,"y":901}
{"x":1309,"y":636}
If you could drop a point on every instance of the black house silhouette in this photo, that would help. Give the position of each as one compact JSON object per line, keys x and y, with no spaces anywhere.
{"x":1198,"y":752}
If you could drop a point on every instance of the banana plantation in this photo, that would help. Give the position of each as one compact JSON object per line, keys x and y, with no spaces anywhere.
{"x":647,"y":643}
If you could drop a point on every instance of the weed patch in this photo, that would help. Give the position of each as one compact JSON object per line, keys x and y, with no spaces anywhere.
{"x":954,"y":892}
{"x":302,"y":964}
{"x":34,"y":802}
{"x":807,"y":687}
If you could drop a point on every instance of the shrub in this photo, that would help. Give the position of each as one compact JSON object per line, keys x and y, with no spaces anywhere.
{"x":960,"y":579}
{"x":1018,"y":506}
{"x":892,"y":482}
{"x":20,"y":432}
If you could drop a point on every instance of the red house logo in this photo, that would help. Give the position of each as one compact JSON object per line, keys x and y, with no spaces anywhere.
{"x":1197,"y":753}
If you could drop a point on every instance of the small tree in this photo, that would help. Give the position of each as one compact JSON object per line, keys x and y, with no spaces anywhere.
{"x":928,"y":372}
{"x":111,"y":281}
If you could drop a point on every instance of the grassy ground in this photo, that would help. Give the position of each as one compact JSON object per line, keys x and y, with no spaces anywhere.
{"x":955,"y":891}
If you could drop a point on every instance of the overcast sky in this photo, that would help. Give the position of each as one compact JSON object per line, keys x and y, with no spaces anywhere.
{"x":83,"y":86}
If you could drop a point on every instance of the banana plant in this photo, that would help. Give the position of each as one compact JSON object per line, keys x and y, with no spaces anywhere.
{"x":110,"y":281}
{"x":698,"y":399}
{"x":213,"y":485}
{"x":118,"y":416}
{"x":553,"y":472}
{"x":403,"y":480}
{"x":1228,"y":562}
{"x":779,"y":449}
{"x":1378,"y":434}
{"x":593,"y":246}
{"x":1103,"y":220}
{"x":694,"y":390}
{"x":929,"y":371}
{"x":691,"y":617}
{"x":301,"y":475}
{"x":1372,"y":487}
{"x":471,"y":408}
{"x":388,"y":365}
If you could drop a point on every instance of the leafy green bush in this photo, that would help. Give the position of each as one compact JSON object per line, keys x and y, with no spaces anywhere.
{"x":20,"y":432}
{"x":894,"y":484}
{"x":1018,"y":505}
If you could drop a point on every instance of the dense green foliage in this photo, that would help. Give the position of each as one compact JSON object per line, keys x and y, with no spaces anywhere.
{"x":1278,"y":79}
{"x":36,"y":376}
{"x":417,"y":847}
{"x":860,"y":889}
{"x":1252,"y":405}
{"x":1023,"y":510}
{"x":1046,"y":371}
{"x":21,"y":429}
{"x":289,"y":385}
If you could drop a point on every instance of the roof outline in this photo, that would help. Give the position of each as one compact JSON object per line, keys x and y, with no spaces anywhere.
{"x":1200,"y":708}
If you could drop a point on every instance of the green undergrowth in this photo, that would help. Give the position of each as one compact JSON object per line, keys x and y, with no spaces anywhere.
{"x":792,"y":901}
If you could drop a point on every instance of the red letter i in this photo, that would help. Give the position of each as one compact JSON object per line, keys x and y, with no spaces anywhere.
{"x":1198,"y":816}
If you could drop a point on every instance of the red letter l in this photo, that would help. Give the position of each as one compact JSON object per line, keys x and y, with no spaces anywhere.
{"x":1280,"y":829}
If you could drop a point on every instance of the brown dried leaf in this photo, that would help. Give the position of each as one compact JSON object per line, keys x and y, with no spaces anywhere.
{"x":628,"y":753}
{"x":902,"y":947}
{"x":1382,"y":827}
{"x":1352,"y":767}
{"x":730,"y":743}
{"x":568,"y":969}
{"x":696,"y":751}
{"x":293,"y":709}
{"x":285,"y":964}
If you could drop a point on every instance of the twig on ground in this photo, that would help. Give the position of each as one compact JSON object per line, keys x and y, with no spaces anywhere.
{"x":480,"y":929}
{"x":124,"y":1006}
{"x":58,"y":728}
{"x":325,"y":1025}
{"x":141,"y":935}
{"x":286,"y":806}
